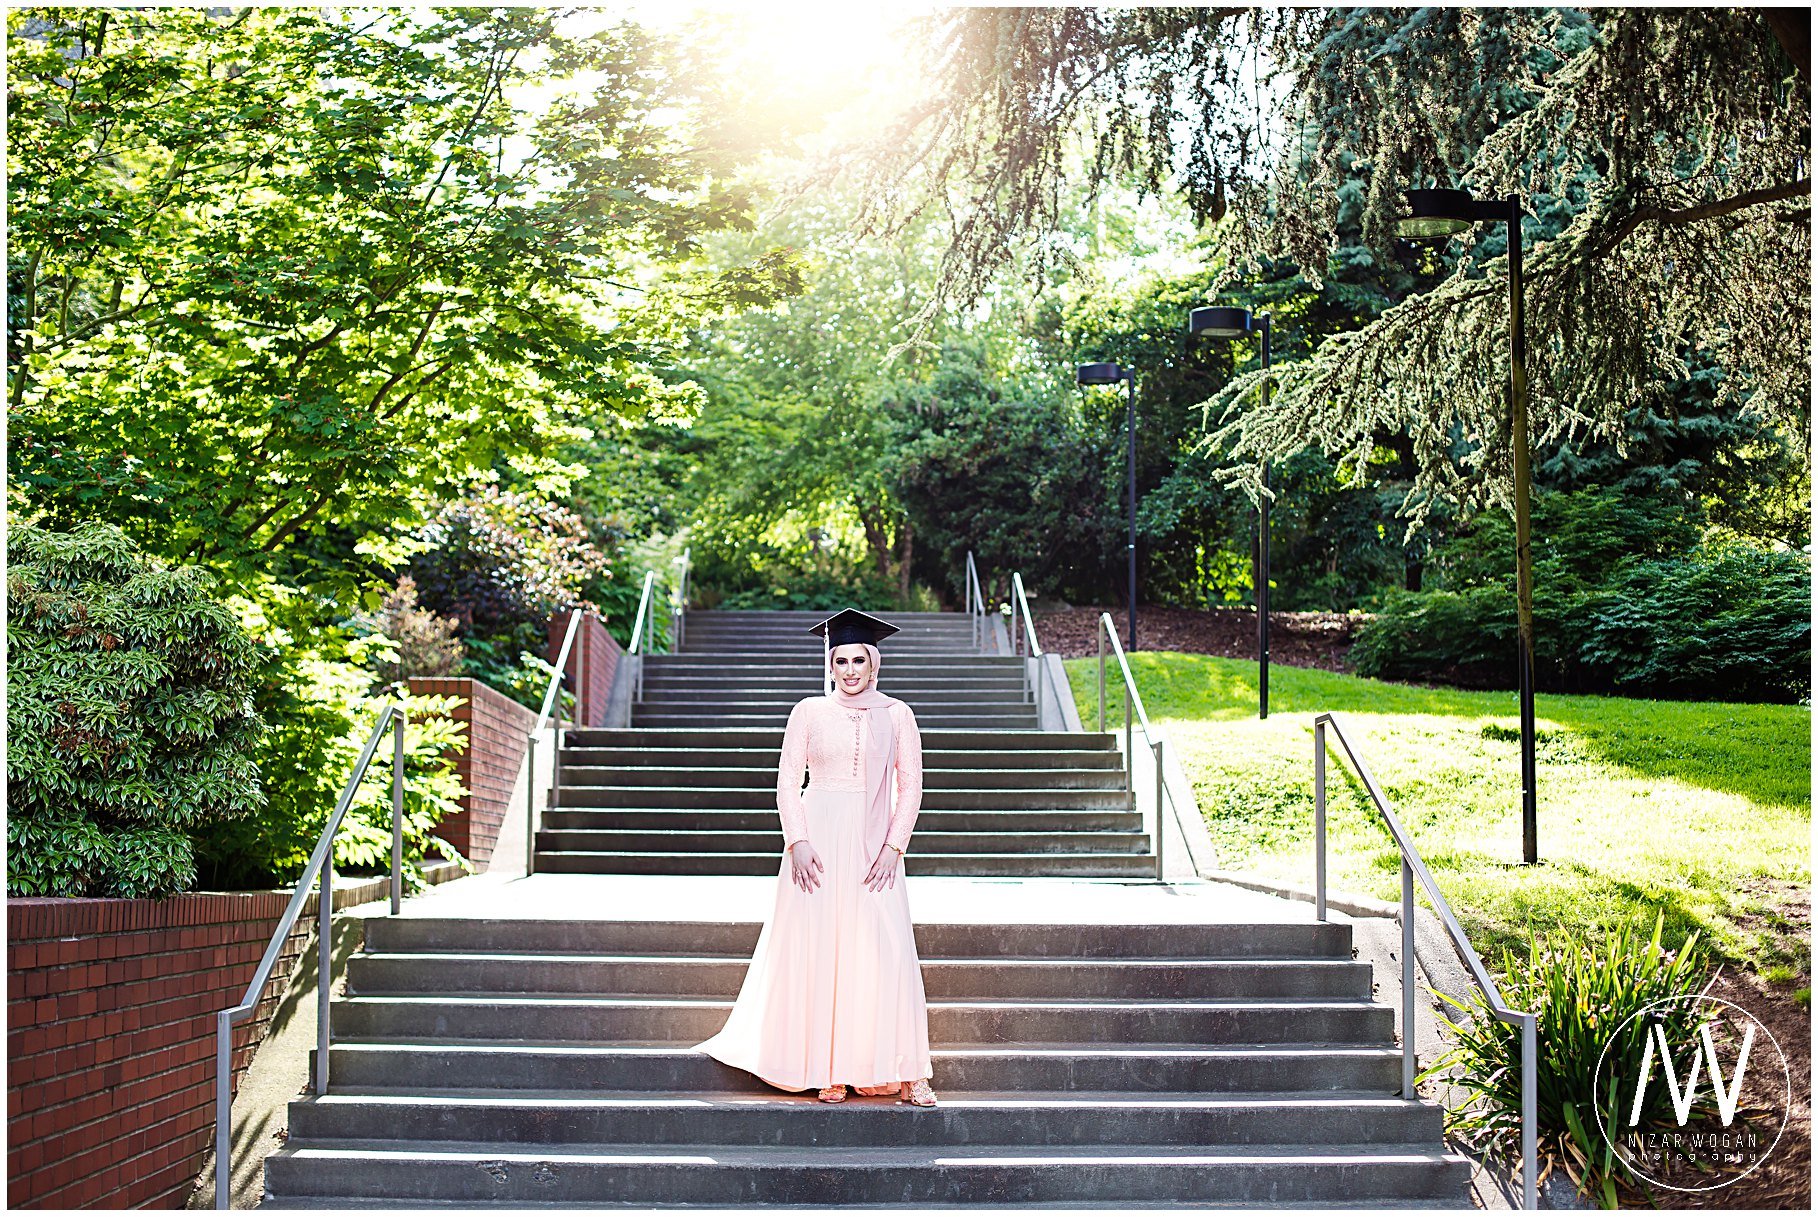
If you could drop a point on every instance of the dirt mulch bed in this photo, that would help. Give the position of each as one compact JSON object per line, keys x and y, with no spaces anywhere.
{"x":1783,"y":1180}
{"x":1299,"y":640}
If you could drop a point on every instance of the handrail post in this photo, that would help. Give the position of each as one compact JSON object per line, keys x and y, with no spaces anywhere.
{"x":530,"y":806}
{"x":1319,"y":819}
{"x":1101,"y":674}
{"x":325,"y":908}
{"x":1129,"y":744}
{"x":555,"y":772}
{"x":1161,"y":825}
{"x":1407,"y":979}
{"x":397,"y":813}
{"x":224,"y":1133}
{"x":1530,"y":1049}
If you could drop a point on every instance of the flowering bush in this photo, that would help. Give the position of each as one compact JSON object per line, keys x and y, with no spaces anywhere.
{"x":500,"y":564}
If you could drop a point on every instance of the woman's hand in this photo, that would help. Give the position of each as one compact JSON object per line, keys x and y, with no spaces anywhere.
{"x":883,"y":869}
{"x":805,"y":866}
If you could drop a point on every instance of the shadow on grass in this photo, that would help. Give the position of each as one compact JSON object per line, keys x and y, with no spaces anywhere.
{"x":1759,"y":752}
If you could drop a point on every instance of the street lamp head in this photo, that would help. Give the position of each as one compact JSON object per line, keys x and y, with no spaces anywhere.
{"x":1218,"y":322}
{"x":1100,"y":374}
{"x":1435,"y":215}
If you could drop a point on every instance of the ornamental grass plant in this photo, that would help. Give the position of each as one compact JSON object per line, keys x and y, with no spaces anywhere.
{"x":1581,"y":993}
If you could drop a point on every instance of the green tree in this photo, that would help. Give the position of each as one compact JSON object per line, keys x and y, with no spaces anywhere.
{"x":285,"y":277}
{"x":1686,"y":208}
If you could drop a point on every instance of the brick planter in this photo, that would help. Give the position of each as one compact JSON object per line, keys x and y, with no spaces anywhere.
{"x":496,"y":730}
{"x":111,"y":1010}
{"x":591,"y":665}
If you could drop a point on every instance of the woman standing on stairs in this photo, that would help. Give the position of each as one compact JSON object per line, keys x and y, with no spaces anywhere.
{"x":833,"y":996}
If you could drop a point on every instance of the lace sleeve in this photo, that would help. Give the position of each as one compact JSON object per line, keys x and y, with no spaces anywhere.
{"x":789,"y":773}
{"x":908,"y":780}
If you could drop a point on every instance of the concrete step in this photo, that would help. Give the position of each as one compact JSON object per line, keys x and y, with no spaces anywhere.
{"x":771,"y":738}
{"x":576,"y":796}
{"x":806,"y":682}
{"x":767,"y":758}
{"x":760,"y":777}
{"x":900,"y":665}
{"x":1052,"y":1071}
{"x":927,"y":842}
{"x":753,"y":715}
{"x":734,"y":700}
{"x":695,"y":819}
{"x":671,"y":717}
{"x":973,"y":1174}
{"x":689,"y":1021}
{"x":1025,"y":865}
{"x":747,"y":692}
{"x":956,"y":979}
{"x":961,"y":1117}
{"x":933,"y":940}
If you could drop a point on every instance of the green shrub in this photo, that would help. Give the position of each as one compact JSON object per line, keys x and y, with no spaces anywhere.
{"x":1623,"y":602}
{"x":130,"y":716}
{"x":320,"y":695}
{"x":1463,"y":637}
{"x":815,"y":589}
{"x":1579,"y":995}
{"x":1734,"y":624}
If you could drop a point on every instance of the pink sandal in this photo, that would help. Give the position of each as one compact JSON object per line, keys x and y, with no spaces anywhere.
{"x":833,"y":1094}
{"x":917,"y":1093}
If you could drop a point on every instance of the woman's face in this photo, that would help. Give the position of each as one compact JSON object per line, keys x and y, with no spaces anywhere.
{"x":851,"y":667}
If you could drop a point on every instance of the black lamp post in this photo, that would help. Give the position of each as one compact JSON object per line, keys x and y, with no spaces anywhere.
{"x":1439,"y":215}
{"x":1110,"y":374}
{"x":1227,"y":323}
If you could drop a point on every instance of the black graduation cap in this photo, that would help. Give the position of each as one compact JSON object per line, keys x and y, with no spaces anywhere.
{"x":849,"y":626}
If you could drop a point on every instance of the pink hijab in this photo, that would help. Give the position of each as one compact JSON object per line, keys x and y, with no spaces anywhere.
{"x":880,"y":753}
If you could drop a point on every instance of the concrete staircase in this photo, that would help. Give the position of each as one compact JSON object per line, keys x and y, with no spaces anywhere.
{"x":690,"y":788}
{"x":542,"y":1062}
{"x":1096,"y":1043}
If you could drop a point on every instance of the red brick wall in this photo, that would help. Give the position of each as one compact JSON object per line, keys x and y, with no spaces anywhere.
{"x":591,"y":664}
{"x":496,"y":730}
{"x":110,"y":1039}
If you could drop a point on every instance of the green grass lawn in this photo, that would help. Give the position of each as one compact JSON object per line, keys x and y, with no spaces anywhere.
{"x":1698,"y":808}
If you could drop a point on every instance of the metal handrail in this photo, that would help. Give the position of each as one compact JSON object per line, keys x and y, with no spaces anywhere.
{"x":321,"y":865}
{"x":678,"y":606}
{"x":1029,"y":648}
{"x":1411,"y":867}
{"x":643,"y":628}
{"x":1135,"y":715}
{"x":975,"y":603}
{"x":551,"y":703}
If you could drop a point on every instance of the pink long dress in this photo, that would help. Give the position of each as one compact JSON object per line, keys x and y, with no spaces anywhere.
{"x":834,"y":992}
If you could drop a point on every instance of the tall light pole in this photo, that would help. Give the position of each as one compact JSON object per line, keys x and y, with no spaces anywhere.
{"x":1110,"y":374}
{"x":1440,"y":215}
{"x":1226,"y":323}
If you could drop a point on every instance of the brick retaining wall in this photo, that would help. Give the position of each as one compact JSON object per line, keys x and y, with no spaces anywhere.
{"x":496,"y":731}
{"x":111,"y":1010}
